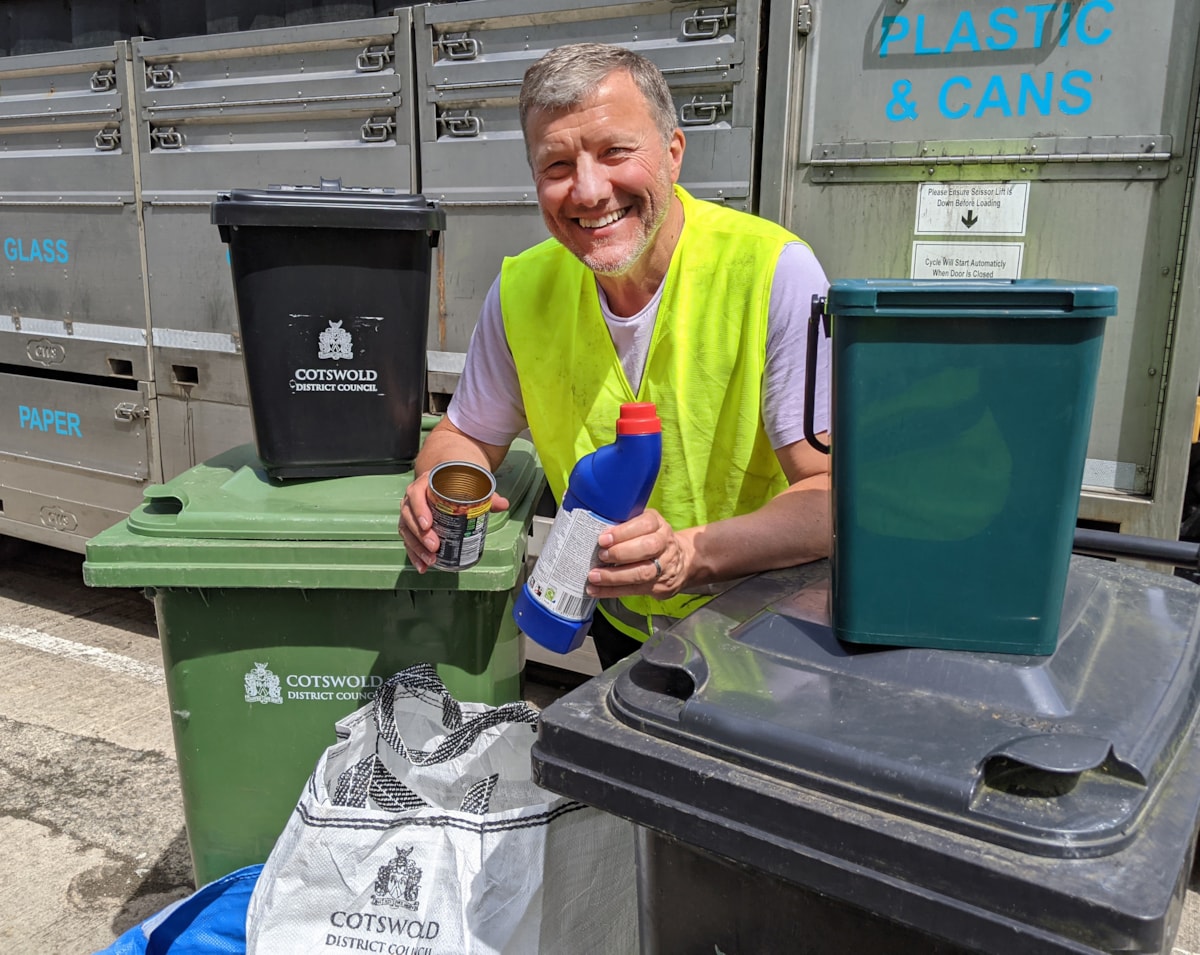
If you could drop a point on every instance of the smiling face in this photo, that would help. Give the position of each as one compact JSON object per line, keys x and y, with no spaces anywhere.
{"x":604,"y":180}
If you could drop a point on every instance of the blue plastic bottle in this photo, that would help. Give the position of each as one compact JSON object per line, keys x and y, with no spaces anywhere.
{"x":606,"y":487}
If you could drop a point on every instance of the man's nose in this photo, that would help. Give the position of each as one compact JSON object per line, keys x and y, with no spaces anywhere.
{"x":590,"y":185}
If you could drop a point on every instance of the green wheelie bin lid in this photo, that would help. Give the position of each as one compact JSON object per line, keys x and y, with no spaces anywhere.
{"x":226,"y":523}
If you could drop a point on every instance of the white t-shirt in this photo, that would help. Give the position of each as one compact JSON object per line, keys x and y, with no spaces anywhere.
{"x":487,"y":403}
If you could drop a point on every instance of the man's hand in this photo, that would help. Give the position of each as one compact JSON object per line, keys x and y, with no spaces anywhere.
{"x":416,"y":523}
{"x":646,"y":557}
{"x":444,"y":443}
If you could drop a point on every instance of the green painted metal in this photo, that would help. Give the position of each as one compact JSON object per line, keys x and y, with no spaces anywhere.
{"x":281,"y":607}
{"x":960,"y":422}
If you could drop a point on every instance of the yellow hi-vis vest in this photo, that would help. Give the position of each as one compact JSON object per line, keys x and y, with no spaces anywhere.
{"x":704,"y":372}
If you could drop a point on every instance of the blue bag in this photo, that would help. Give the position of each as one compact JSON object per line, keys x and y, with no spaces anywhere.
{"x":210,"y":921}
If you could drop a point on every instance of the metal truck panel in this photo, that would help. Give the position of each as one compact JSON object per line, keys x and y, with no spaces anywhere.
{"x":191,"y":432}
{"x":92,"y":427}
{"x":471,"y":58}
{"x":1000,"y":141}
{"x":75,"y":456}
{"x":71,"y":292}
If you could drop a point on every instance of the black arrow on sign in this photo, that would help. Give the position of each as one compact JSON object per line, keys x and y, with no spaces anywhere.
{"x":970,"y":218}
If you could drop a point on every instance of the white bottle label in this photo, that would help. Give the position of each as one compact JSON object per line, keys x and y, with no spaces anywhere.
{"x":559,"y":577}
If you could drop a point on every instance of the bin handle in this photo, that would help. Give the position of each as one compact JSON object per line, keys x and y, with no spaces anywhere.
{"x":816,"y":318}
{"x":162,"y":502}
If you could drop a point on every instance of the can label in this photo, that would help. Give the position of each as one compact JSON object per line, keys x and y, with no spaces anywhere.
{"x":559,"y":578}
{"x":460,"y":494}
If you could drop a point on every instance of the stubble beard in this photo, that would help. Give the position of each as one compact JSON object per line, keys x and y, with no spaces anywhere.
{"x":597,"y":261}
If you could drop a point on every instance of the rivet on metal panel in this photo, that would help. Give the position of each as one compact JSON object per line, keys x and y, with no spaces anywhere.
{"x":1152,"y":372}
{"x":1165,"y":270}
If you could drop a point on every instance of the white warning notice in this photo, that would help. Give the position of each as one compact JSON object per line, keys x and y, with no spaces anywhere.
{"x":967,"y":260}
{"x":972,"y":208}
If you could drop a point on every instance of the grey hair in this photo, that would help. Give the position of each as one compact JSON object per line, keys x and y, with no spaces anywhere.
{"x":568,"y":75}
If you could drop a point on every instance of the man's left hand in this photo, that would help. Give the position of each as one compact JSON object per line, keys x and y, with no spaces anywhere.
{"x":644,"y":555}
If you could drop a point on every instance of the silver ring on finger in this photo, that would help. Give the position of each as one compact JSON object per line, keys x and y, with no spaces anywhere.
{"x":658,"y":567}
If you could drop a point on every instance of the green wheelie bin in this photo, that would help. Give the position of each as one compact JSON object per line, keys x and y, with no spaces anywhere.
{"x":283,"y":606}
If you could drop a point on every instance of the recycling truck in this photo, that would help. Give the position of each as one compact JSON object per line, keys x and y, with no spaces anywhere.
{"x":900,"y":138}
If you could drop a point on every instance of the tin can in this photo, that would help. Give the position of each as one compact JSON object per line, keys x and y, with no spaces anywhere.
{"x":460,"y":494}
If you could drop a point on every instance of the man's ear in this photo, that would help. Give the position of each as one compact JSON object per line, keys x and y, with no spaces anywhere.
{"x":675,"y":149}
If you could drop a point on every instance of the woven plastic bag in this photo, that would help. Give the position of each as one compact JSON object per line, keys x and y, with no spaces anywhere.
{"x":210,"y":921}
{"x":421,"y":832}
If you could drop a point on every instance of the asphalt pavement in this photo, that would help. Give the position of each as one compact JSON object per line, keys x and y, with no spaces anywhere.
{"x":92,"y":836}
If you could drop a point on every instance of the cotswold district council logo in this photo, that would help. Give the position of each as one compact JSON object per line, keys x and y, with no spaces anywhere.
{"x":335,"y":342}
{"x":262,"y":686}
{"x":399,"y":882}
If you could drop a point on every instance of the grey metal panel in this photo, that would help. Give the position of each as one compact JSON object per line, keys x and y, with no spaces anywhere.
{"x":1088,"y":217}
{"x":471,"y":57}
{"x":934,"y":71}
{"x":80,"y":346}
{"x":60,"y":506}
{"x":468,"y":259}
{"x":70,"y":262}
{"x":76,"y":426}
{"x":251,"y":109}
{"x":275,"y":106}
{"x":194,"y":431}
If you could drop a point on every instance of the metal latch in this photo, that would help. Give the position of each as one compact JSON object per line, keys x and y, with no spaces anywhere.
{"x":377,"y":129}
{"x":128,"y":411}
{"x":161,"y":77}
{"x":702,"y":112}
{"x":166,"y":137}
{"x":461,"y":125}
{"x":460,"y":47}
{"x":804,"y":19}
{"x":374,"y":58}
{"x":108,"y":139}
{"x":104,"y":80}
{"x":707,"y":26}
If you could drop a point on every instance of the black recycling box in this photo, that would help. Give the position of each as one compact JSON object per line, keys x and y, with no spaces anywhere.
{"x":332,"y":292}
{"x":797,"y":794}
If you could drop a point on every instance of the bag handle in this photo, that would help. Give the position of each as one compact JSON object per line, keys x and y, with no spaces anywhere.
{"x":422,"y":682}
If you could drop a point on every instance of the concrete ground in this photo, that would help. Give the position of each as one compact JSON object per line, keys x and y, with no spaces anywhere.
{"x":91,"y":828}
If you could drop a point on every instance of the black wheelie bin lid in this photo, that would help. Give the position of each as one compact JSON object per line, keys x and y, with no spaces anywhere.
{"x":991,"y":800}
{"x":327,"y":206}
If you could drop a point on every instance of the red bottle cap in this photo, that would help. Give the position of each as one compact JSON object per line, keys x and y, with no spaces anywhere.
{"x":639,"y":417}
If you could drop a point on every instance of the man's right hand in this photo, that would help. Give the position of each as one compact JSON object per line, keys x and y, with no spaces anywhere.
{"x":416,"y":525}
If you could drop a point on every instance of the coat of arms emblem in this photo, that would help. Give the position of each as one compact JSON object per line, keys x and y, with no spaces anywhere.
{"x":398,"y":882}
{"x":262,"y":686}
{"x":335,"y":342}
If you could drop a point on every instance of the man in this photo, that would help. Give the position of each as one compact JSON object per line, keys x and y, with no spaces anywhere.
{"x":644,"y":294}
